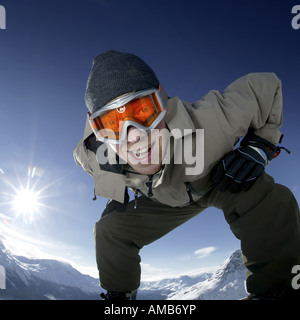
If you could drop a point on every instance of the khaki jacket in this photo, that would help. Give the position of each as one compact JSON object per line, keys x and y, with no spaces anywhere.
{"x":253,"y":101}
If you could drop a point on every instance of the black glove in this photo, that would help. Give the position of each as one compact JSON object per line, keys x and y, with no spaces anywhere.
{"x":240,"y":168}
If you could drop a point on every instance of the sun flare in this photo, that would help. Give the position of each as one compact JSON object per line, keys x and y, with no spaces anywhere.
{"x":25,"y":201}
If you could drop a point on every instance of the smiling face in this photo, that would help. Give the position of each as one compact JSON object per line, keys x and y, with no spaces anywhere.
{"x":144,"y":152}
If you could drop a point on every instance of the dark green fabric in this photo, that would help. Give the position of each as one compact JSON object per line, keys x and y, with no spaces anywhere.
{"x":266,"y":219}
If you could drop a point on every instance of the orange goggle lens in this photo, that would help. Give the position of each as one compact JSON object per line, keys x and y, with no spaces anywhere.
{"x":142,"y":111}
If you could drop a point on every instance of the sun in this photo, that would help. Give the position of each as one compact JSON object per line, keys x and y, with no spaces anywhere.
{"x":25,"y":201}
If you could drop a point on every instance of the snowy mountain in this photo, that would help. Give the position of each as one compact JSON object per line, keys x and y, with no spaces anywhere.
{"x":226,"y":283}
{"x":163,"y":289}
{"x":45,"y":279}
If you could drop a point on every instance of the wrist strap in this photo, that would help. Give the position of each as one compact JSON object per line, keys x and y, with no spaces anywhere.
{"x":261,"y":153}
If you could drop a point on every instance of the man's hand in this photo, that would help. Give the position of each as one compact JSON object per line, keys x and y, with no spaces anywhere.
{"x":239,"y":169}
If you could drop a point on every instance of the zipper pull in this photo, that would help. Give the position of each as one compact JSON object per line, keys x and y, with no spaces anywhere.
{"x":136,"y":205}
{"x":149,"y":187}
{"x":278,"y":150}
{"x":189,"y":192}
{"x":95,"y":197}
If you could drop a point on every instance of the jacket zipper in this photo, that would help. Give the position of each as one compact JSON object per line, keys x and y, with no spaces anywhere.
{"x":149,"y":186}
{"x":137,"y":191}
{"x":149,"y":190}
{"x":189,"y":192}
{"x":136,"y":194}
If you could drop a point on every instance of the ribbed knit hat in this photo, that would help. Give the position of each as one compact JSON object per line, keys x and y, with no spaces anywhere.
{"x":115,"y":73}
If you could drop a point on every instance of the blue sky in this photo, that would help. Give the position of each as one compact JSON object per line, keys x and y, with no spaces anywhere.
{"x":46,"y":54}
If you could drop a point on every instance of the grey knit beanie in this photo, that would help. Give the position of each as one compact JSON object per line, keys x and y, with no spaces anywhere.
{"x":115,"y":73}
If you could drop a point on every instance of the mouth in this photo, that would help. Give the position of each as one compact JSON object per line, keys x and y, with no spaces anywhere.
{"x":141,"y":153}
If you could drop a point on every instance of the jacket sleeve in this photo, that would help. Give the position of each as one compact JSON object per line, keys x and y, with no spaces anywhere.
{"x":253,"y":101}
{"x":80,"y":154}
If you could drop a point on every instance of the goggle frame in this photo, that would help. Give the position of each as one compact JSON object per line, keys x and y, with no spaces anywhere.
{"x":160,"y":99}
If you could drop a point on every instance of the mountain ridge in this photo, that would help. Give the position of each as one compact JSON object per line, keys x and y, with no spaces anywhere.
{"x":49,"y":279}
{"x":44,"y":279}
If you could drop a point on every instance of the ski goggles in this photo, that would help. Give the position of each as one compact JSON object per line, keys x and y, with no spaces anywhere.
{"x":143,"y":109}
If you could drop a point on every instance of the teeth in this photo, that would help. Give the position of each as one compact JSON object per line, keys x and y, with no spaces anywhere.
{"x":141,"y":152}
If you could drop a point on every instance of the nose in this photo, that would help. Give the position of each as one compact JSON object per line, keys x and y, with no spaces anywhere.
{"x":134,"y":135}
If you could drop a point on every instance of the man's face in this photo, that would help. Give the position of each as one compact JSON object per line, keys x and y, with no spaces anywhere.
{"x":144,"y":152}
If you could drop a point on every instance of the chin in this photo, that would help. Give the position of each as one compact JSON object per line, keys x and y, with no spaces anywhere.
{"x":146,"y":169}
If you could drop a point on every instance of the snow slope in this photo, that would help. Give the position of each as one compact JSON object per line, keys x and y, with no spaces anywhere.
{"x":44,"y":279}
{"x":226,"y":283}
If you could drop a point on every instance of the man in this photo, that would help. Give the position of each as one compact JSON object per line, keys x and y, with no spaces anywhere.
{"x":134,"y":137}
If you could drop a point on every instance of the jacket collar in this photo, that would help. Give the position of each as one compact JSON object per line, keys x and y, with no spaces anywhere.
{"x":178,"y":119}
